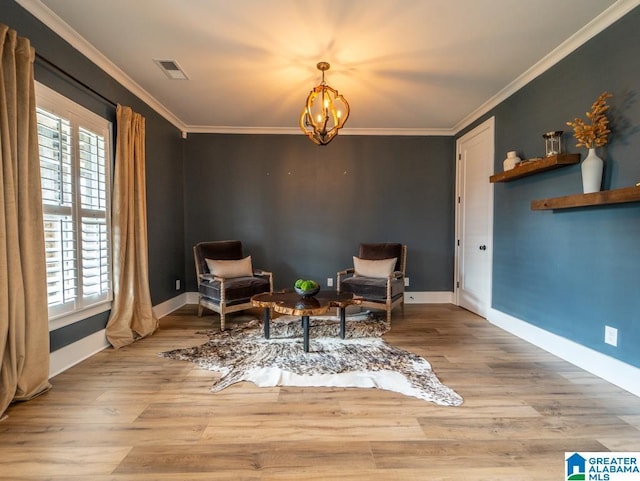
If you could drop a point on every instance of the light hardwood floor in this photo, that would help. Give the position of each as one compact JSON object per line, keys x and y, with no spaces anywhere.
{"x":129,"y":415}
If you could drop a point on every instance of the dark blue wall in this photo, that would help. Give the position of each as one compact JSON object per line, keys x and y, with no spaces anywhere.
{"x":573,"y":271}
{"x":302,"y":210}
{"x":163,"y":155}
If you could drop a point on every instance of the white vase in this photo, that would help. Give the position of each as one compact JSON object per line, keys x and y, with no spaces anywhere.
{"x":592,"y":172}
{"x":511,"y":161}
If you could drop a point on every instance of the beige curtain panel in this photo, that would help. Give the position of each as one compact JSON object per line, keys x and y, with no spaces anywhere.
{"x":24,"y":323}
{"x":132,"y":315}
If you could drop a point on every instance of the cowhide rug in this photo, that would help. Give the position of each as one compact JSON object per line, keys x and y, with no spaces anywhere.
{"x":362,"y":359}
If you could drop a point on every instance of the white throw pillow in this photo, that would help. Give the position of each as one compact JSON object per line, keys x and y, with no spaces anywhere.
{"x":378,"y":268}
{"x":230,"y":269}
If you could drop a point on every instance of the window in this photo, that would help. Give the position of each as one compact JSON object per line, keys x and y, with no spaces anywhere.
{"x":76,"y":183}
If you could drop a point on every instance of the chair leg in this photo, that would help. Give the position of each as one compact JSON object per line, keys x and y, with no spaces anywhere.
{"x":389,"y":316}
{"x":200,"y":309}
{"x":222,"y":319}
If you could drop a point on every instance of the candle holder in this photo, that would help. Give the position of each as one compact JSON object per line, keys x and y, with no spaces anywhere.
{"x":552,"y":144}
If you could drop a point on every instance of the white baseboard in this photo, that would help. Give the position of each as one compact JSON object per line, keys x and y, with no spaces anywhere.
{"x":612,"y":370}
{"x":193,"y":297}
{"x":428,"y":297}
{"x":76,"y":352}
{"x":167,"y":307}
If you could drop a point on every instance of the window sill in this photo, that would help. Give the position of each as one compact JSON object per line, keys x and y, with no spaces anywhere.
{"x":67,"y":319}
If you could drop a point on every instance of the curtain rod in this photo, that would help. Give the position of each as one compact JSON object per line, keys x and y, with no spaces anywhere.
{"x":50,"y":64}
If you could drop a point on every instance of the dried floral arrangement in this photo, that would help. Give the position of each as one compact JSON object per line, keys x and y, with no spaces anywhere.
{"x":596,"y":134}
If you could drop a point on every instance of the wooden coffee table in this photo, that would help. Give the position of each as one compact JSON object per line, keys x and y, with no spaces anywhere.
{"x":289,"y":302}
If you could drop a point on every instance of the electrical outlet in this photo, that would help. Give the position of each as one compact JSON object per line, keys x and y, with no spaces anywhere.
{"x":329,"y":281}
{"x":177,"y":284}
{"x":611,"y":335}
{"x":406,"y":281}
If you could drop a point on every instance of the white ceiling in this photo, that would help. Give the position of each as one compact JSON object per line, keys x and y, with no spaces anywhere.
{"x":405,"y":66}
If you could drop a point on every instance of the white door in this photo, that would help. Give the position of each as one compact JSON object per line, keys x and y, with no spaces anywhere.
{"x":474,"y":218}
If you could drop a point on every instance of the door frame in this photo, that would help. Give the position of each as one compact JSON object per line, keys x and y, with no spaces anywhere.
{"x":489,"y":125}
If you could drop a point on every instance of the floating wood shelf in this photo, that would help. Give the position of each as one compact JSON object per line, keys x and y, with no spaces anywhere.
{"x":615,"y":196}
{"x":533,"y":167}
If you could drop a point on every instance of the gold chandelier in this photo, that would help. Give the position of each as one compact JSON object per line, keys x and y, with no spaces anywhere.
{"x":325,"y":112}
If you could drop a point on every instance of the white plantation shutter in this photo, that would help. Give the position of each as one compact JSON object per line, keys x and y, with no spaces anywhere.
{"x":54,"y":138}
{"x":93,"y":207}
{"x":61,"y":264}
{"x":76,"y":183}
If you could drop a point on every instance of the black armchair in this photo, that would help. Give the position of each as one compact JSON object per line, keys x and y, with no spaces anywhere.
{"x":377,"y":276}
{"x":226,"y":279}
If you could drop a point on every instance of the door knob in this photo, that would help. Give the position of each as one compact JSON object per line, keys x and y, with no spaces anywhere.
{"x":483,"y":248}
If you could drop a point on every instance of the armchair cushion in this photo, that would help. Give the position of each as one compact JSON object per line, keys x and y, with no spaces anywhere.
{"x":381,"y":268}
{"x":372,"y":288}
{"x":237,"y":290}
{"x":230,"y":269}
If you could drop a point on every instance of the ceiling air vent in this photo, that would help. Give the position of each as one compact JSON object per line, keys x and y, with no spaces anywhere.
{"x":171,"y":69}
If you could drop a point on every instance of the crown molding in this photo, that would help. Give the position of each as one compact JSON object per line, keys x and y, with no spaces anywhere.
{"x":211,"y":129}
{"x":61,"y":28}
{"x":226,"y":129}
{"x":590,"y":30}
{"x":399,"y":132}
